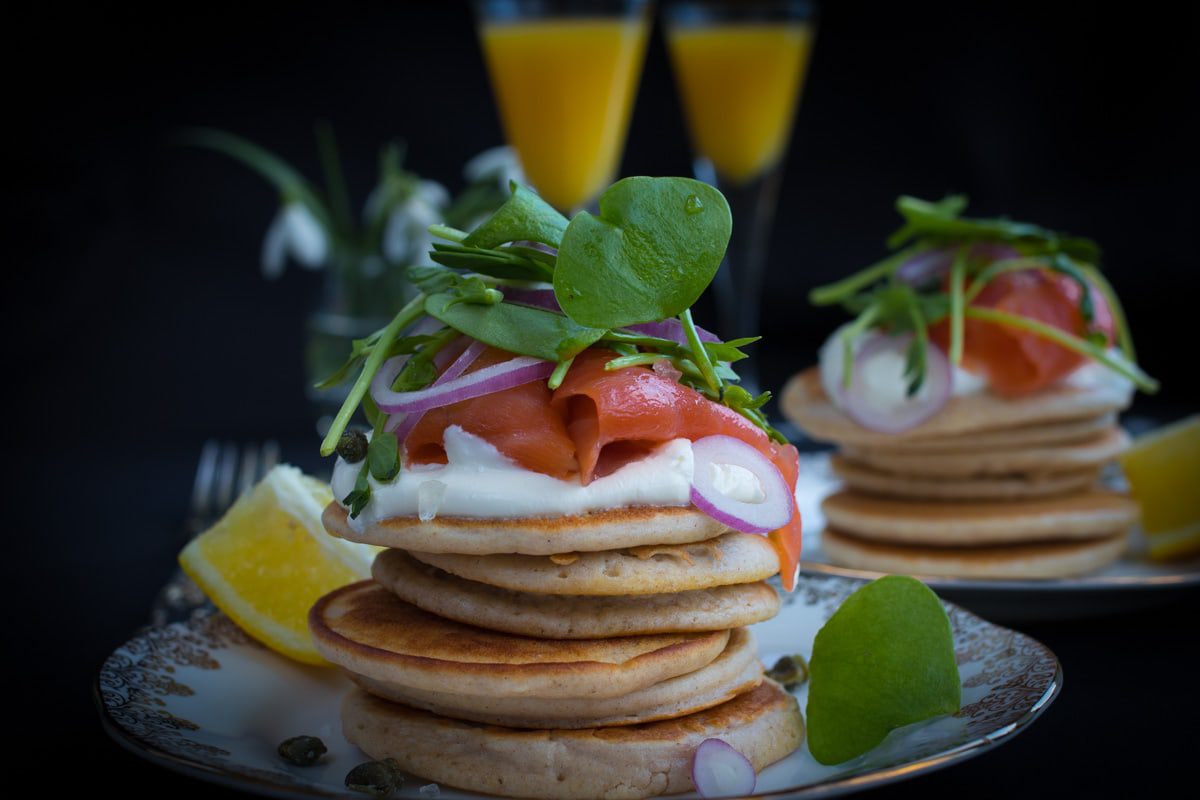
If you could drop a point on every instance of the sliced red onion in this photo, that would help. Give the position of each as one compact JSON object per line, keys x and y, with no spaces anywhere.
{"x":537,"y":298}
{"x":925,"y":267}
{"x":545,"y":248}
{"x":720,"y":771}
{"x":496,"y":378}
{"x":933,"y":265}
{"x":403,"y":424}
{"x":773,"y":512}
{"x":877,"y":397}
{"x":671,"y":329}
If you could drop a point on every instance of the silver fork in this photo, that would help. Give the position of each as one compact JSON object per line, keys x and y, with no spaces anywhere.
{"x":221,"y":477}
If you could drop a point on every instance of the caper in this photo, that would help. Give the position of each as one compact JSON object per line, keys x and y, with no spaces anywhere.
{"x":303,"y":751}
{"x":352,"y":446}
{"x":791,"y":671}
{"x":378,"y":778}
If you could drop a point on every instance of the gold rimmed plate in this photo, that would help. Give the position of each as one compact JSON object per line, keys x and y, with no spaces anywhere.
{"x":202,"y":698}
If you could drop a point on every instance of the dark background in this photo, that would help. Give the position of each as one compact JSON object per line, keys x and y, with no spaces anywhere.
{"x":140,"y":324}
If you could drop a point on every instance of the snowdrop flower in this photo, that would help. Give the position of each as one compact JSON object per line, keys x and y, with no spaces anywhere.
{"x":294,"y":232}
{"x":498,"y":163}
{"x":406,"y":233}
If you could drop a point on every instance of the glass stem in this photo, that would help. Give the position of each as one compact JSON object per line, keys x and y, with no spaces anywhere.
{"x":738,"y":284}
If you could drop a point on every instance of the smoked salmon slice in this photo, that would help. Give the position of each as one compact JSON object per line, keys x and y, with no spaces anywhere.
{"x":519,"y":422}
{"x":598,"y":420}
{"x":1017,"y":362}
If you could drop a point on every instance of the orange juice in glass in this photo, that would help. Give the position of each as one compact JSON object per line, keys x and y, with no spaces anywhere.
{"x":565,"y":75}
{"x":740,"y":82}
{"x":740,"y":66}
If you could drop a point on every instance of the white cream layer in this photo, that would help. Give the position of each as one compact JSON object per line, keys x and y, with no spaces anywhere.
{"x":480,"y":482}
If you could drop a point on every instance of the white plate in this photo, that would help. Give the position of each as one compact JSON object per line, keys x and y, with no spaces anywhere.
{"x":1131,"y":582}
{"x":202,"y":698}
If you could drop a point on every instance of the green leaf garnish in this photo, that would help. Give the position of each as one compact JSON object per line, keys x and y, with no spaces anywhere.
{"x":515,"y":328}
{"x":507,"y":263}
{"x":883,"y":660}
{"x":383,"y":456}
{"x":523,"y":217}
{"x":646,"y":257}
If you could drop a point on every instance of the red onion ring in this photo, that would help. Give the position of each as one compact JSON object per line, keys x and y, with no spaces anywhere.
{"x":403,"y":424}
{"x":495,"y":378}
{"x":536,"y":298}
{"x":672,"y":329}
{"x":872,"y":411}
{"x":933,"y":265}
{"x":777,"y":506}
{"x":720,"y":771}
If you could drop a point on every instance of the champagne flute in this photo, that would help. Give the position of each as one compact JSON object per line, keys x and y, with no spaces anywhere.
{"x":564,"y":74}
{"x":740,"y":67}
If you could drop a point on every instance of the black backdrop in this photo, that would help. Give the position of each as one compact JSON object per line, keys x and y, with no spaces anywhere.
{"x":140,"y":323}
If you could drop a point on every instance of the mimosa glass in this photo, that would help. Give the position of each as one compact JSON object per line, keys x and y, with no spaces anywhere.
{"x":740,"y":67}
{"x":565,"y":75}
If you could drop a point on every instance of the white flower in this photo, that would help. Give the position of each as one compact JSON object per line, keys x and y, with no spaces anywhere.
{"x":499,"y":163}
{"x":294,"y":232}
{"x":406,"y":233}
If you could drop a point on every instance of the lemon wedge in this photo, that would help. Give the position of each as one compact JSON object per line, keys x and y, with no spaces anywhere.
{"x":1163,"y":469}
{"x":269,"y":558}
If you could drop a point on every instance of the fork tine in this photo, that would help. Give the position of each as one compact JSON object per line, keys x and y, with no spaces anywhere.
{"x":226,"y":475}
{"x":247,"y":475}
{"x":206,"y":474}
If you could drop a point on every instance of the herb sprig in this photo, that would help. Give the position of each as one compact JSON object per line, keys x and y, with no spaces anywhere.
{"x":647,"y":257}
{"x":878,"y":295}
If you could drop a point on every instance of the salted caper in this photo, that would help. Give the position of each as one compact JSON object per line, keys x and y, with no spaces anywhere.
{"x":303,"y":751}
{"x":352,"y":446}
{"x":791,"y":671}
{"x":378,"y":778}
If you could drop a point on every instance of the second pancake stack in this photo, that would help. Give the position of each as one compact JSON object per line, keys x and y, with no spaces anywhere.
{"x":989,"y":488}
{"x":569,"y":675}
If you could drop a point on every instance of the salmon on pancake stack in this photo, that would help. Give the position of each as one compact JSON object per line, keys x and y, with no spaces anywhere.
{"x":579,"y":508}
{"x":973,"y":401}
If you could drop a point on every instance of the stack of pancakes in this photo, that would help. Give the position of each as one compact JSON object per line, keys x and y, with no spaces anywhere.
{"x":581,"y":656}
{"x":989,"y":487}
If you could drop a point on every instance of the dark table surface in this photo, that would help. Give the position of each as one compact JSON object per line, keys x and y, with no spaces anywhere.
{"x":1125,"y":722}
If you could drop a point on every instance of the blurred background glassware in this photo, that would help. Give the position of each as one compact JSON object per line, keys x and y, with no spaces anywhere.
{"x":740,"y":66}
{"x":363,"y":256}
{"x":564,"y":74}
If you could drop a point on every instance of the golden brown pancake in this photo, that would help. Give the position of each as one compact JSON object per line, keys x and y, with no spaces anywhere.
{"x":623,"y":763}
{"x":651,"y":569}
{"x":805,"y":403}
{"x":1066,"y":432}
{"x":1093,"y":514}
{"x":539,"y":536}
{"x":1001,"y":487}
{"x":736,"y":670}
{"x":571,"y":616}
{"x":1053,"y":458}
{"x":369,"y":631}
{"x":1015,"y":561}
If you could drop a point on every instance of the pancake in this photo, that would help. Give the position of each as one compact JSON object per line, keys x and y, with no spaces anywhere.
{"x":1090,"y":453}
{"x":805,"y":403}
{"x":571,"y":616}
{"x":736,"y":670}
{"x":1075,"y":430}
{"x":1094,"y":514}
{"x":1048,"y":560}
{"x":1000,"y":487}
{"x":538,"y":536}
{"x":624,"y":763}
{"x":368,"y":630}
{"x":729,"y":559}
